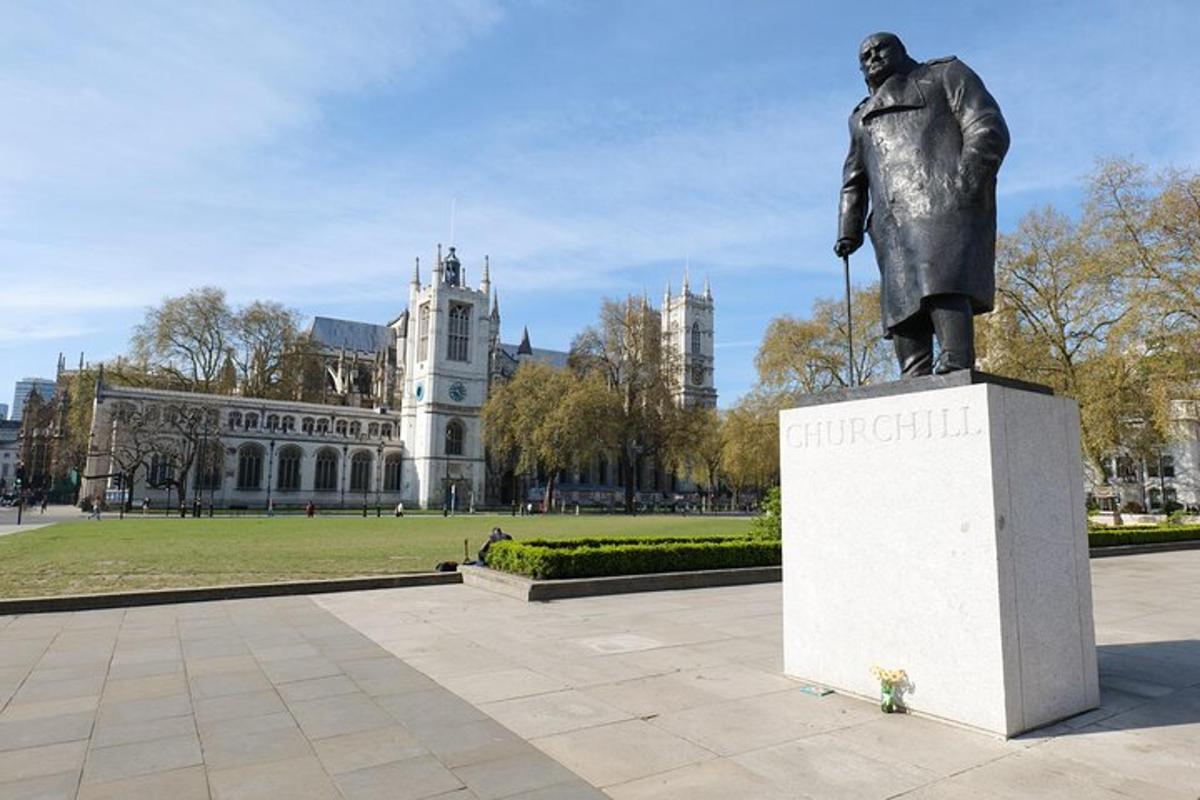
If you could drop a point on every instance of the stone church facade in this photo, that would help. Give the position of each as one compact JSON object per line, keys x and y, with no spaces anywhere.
{"x":401,"y":421}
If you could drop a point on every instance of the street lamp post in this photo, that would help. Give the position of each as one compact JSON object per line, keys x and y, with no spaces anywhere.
{"x":202,"y":467}
{"x":270,"y":472}
{"x":378,"y":476}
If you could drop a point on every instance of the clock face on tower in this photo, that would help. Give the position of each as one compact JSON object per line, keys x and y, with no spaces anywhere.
{"x":698,"y":374}
{"x":458,"y":392}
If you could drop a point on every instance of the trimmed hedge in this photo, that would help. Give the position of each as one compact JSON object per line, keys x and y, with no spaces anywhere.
{"x":590,"y":558}
{"x":1114,"y":537}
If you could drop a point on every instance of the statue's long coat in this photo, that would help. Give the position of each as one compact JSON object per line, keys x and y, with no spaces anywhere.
{"x":926,"y":147}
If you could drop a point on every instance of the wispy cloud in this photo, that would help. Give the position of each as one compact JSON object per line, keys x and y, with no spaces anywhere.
{"x":306,"y":152}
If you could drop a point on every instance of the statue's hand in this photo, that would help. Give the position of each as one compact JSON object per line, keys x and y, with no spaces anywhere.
{"x":845,"y":247}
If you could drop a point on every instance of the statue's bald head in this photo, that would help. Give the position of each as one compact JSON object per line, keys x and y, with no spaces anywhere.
{"x":880,"y":56}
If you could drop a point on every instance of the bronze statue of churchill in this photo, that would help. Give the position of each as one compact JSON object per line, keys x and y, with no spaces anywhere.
{"x":925,"y":148}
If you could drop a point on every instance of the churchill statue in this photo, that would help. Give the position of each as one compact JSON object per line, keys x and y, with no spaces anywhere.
{"x":925,"y":147}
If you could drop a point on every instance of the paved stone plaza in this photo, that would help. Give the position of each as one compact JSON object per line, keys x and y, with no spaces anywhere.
{"x":455,"y":692}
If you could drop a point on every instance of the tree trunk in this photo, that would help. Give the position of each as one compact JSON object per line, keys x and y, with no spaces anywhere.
{"x":548,"y":498}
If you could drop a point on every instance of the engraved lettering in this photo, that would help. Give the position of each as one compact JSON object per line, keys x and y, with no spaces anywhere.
{"x":841,"y":428}
{"x":909,"y":425}
{"x":858,"y":429}
{"x":923,"y":424}
{"x":792,"y":439}
{"x":875,"y":428}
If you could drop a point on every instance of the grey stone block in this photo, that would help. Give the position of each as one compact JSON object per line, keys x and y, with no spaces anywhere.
{"x":188,"y":783}
{"x":505,"y":777}
{"x":411,"y":779}
{"x":141,"y":758}
{"x":60,"y":786}
{"x":233,"y":706}
{"x":20,"y":734}
{"x":332,"y":716}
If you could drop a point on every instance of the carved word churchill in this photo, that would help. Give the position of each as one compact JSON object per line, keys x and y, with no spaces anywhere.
{"x":948,"y":422}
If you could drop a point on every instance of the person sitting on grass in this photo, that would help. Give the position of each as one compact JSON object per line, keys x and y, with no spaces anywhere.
{"x":497,"y":536}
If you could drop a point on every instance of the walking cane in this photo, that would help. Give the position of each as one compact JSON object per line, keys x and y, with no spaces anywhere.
{"x":849,"y":317}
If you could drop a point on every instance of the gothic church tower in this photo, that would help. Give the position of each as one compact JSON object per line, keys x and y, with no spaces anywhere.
{"x":687,"y":326}
{"x":446,"y":352}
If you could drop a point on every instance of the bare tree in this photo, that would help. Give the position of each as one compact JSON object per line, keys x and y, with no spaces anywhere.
{"x":187,"y":337}
{"x":267,"y":343}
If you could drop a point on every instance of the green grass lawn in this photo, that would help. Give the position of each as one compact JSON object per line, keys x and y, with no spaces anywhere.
{"x":122,"y":555}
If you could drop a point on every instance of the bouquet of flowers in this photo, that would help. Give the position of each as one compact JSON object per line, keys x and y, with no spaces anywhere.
{"x":890,"y":682}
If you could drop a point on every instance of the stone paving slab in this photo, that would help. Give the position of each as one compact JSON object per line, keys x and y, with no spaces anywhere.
{"x":453,"y":692}
{"x":258,"y":698}
{"x":678,"y":694}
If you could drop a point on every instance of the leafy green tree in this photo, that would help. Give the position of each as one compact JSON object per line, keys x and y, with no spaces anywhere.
{"x":801,"y":356}
{"x":750,"y":444}
{"x":626,"y":350}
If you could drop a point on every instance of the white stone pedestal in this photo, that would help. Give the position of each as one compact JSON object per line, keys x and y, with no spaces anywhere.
{"x":938,"y":526}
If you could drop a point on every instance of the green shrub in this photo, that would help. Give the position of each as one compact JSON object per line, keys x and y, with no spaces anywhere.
{"x":769,"y":524}
{"x":1142,"y":535}
{"x":589,"y":558}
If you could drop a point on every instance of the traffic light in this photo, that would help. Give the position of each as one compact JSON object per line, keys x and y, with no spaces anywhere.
{"x":20,"y":476}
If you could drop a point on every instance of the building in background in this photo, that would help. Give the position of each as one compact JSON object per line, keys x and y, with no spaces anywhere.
{"x":1157,"y":482}
{"x":3,"y":411}
{"x":400,"y":418}
{"x":25,"y":387}
{"x":10,"y":454}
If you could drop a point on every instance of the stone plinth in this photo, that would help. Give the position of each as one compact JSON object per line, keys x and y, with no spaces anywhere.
{"x":938,"y":526}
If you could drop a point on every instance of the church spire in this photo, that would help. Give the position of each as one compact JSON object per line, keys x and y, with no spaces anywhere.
{"x":437,"y":268}
{"x":496,"y":307}
{"x":525,"y":349}
{"x":485,"y":285}
{"x":686,"y":283}
{"x":707,"y":288}
{"x":416,"y":278}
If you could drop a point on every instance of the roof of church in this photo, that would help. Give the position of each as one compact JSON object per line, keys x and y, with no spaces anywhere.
{"x":555,"y":358}
{"x":365,"y":337}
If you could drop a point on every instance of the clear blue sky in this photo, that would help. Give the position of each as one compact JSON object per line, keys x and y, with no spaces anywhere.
{"x":306,"y":152}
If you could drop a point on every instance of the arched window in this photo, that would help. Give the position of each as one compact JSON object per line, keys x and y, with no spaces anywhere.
{"x":307,"y":425}
{"x":454,"y":438}
{"x":209,"y":466}
{"x":373,"y":430}
{"x":340,"y":427}
{"x":272,"y":422}
{"x":250,"y":467}
{"x":459,"y":332}
{"x":288,"y":424}
{"x":355,"y":428}
{"x":695,"y":338}
{"x":360,"y":471}
{"x":325,"y":479}
{"x":322,"y":426}
{"x":162,"y":470}
{"x":385,"y":430}
{"x":235,"y":420}
{"x":288,"y":469}
{"x":251,"y":422}
{"x":391,"y":474}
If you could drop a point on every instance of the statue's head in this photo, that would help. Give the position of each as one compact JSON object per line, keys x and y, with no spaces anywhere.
{"x":882,"y":55}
